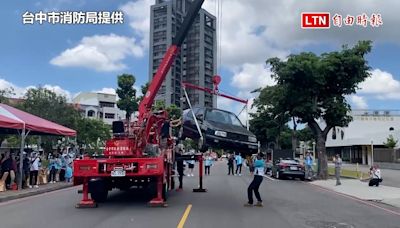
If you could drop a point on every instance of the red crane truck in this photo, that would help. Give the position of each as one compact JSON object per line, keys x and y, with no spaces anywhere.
{"x":136,"y":155}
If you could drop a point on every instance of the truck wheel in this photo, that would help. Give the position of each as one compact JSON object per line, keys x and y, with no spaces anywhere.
{"x":99,"y":195}
{"x":165,"y":192}
{"x":98,"y":190}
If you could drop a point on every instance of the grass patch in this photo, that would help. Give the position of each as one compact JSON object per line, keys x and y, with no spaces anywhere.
{"x":348,"y":173}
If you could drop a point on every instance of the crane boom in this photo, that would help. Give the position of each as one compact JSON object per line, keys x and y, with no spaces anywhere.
{"x":138,"y":153}
{"x":169,"y":57}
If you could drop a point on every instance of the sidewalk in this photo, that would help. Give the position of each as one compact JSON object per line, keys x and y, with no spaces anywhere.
{"x":361,"y":190}
{"x":10,"y":195}
{"x":390,"y":176}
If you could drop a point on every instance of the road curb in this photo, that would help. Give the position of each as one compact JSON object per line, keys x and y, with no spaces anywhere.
{"x":33,"y":193}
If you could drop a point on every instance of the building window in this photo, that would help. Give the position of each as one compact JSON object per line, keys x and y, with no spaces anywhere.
{"x":109,"y":115}
{"x":90,"y":113}
{"x":106,"y":104}
{"x":334,"y":133}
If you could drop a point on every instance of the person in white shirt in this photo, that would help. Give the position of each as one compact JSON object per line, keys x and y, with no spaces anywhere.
{"x":376,"y":177}
{"x":33,"y":177}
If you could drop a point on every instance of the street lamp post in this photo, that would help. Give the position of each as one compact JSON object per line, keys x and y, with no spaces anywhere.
{"x":372,"y":152}
{"x":313,"y":150}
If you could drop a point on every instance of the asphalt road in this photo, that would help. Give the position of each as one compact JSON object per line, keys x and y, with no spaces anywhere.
{"x":287,"y":203}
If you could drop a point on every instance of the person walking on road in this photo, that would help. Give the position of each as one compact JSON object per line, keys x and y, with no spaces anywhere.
{"x":191,"y":167}
{"x":255,"y":184}
{"x":180,"y":167}
{"x":239,"y":161}
{"x":338,"y":166}
{"x":230,"y":164}
{"x":208,"y":163}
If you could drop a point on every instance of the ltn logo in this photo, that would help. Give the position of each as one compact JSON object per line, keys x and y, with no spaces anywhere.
{"x":315,"y":20}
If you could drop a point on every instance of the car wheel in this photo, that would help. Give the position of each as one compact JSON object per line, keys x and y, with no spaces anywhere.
{"x":98,"y":191}
{"x":302,"y":178}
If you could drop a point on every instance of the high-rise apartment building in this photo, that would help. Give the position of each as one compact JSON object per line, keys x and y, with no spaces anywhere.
{"x":196,"y":63}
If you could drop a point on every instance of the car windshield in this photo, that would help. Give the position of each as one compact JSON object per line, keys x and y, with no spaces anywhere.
{"x":223,"y":117}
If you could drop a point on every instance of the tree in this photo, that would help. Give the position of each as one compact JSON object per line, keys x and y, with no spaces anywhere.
{"x":127,"y":95}
{"x":312,"y":88}
{"x":266,"y":127}
{"x":5,"y":94}
{"x":174,"y":111}
{"x":391,"y":142}
{"x":144,"y":89}
{"x":50,"y":106}
{"x":92,"y":132}
{"x":305,"y":134}
{"x":190,"y":144}
{"x":158,"y":105}
{"x":269,"y":119}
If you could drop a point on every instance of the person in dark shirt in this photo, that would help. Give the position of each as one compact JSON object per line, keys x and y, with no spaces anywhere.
{"x":180,"y":167}
{"x":165,"y":133}
{"x":231,"y":159}
{"x":7,"y":168}
{"x":26,"y":167}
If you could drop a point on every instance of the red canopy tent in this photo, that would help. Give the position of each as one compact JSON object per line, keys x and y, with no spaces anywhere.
{"x":15,"y":121}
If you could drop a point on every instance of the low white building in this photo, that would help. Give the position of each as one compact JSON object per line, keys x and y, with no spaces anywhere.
{"x":99,"y":106}
{"x":368,"y":130}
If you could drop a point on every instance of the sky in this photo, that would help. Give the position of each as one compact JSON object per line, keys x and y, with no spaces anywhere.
{"x":69,"y":59}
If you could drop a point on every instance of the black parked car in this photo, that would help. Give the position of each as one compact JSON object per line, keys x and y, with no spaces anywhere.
{"x":220,"y":129}
{"x":288,"y":168}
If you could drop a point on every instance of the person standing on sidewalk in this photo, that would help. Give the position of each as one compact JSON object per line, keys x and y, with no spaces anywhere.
{"x":52,"y":168}
{"x":255,"y":184}
{"x":338,"y":166}
{"x":33,"y":177}
{"x":308,"y":164}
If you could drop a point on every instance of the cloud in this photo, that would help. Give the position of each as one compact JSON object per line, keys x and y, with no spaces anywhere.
{"x":138,"y":13}
{"x":107,"y":91}
{"x":381,"y":85}
{"x":19,"y":91}
{"x":359,"y":102}
{"x":58,"y":90}
{"x":252,"y":76}
{"x":255,"y":30}
{"x":99,"y":52}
